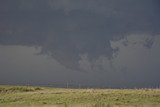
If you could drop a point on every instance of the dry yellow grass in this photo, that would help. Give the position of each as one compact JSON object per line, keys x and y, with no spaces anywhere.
{"x":23,"y":96}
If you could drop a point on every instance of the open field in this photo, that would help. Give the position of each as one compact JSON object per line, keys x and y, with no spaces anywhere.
{"x":26,"y":96}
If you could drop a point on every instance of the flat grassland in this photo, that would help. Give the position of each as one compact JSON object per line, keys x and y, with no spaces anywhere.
{"x":27,"y":96}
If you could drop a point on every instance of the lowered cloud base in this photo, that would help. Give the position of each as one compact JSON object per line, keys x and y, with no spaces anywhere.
{"x":102,"y":43}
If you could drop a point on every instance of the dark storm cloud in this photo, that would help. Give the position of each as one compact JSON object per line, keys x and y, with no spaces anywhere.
{"x":68,"y":28}
{"x":116,"y":41}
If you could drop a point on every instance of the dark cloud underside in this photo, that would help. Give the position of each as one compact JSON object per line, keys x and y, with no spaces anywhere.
{"x":78,"y":33}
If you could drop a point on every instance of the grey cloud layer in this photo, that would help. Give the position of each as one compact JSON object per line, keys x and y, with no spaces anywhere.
{"x":68,"y":28}
{"x":133,"y":65}
{"x":79,"y":34}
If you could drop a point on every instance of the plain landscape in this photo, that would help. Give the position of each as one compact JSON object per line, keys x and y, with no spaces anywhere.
{"x":79,"y":53}
{"x":32,"y":96}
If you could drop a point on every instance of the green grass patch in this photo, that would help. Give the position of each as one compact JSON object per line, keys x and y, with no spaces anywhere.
{"x":18,"y":96}
{"x":13,"y":89}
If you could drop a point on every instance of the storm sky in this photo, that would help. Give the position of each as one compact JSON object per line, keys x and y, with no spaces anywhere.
{"x":95,"y":43}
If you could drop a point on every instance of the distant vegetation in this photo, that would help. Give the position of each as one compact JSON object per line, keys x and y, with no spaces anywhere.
{"x":26,"y":96}
{"x":13,"y":89}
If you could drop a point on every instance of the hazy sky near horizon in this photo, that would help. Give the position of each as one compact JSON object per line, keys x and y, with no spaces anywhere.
{"x":100,"y":43}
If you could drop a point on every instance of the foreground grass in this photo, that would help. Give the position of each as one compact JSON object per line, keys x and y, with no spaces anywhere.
{"x":24,"y":96}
